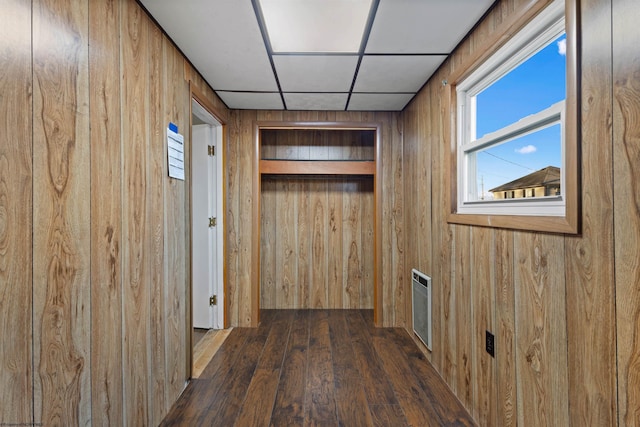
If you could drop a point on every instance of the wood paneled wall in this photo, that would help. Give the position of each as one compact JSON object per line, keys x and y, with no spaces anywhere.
{"x":93,"y":234}
{"x":558,"y":305}
{"x":240,"y":253}
{"x":317,"y":242}
{"x":317,"y":144}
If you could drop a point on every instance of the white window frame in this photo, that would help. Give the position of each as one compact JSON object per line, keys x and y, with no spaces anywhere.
{"x":536,"y":35}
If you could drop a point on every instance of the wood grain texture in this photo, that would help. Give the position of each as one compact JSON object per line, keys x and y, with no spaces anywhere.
{"x":320,"y":396}
{"x":16,"y":209}
{"x":483,"y":312}
{"x":135,"y":227}
{"x":176,"y":246}
{"x":288,"y":408}
{"x":268,"y":233}
{"x":334,"y":241}
{"x":206,"y":348}
{"x":317,"y":144}
{"x":61,"y":213}
{"x":306,"y":229}
{"x":591,"y":306}
{"x":506,"y":391}
{"x":317,"y":167}
{"x":462,"y":280}
{"x":394,"y":286}
{"x":92,"y":280}
{"x":626,"y":146}
{"x":582,"y":264}
{"x":541,"y":334}
{"x":155,"y":213}
{"x":318,"y":205}
{"x":351,"y":245}
{"x":232,"y":214}
{"x":303,"y":245}
{"x":247,"y":302}
{"x":318,"y":367}
{"x":106,"y":208}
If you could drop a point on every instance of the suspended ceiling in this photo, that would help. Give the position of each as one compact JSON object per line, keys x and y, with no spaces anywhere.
{"x":400,"y":43}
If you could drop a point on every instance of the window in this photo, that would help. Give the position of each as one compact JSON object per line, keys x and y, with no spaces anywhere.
{"x":515,"y":131}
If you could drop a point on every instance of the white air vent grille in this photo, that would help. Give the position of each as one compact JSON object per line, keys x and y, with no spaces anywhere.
{"x":421,"y":294}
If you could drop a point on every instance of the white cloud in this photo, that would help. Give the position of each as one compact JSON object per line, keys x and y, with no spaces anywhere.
{"x":562,"y":47}
{"x":527,"y":149}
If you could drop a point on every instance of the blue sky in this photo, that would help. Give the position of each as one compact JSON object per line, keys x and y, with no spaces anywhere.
{"x":528,"y":89}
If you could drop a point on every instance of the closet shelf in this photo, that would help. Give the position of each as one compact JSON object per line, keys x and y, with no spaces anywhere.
{"x":318,"y":167}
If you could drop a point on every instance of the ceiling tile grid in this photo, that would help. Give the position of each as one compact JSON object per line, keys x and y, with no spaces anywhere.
{"x":316,"y":101}
{"x":395,"y":73}
{"x":252,"y":100}
{"x":366,"y":55}
{"x":318,"y":73}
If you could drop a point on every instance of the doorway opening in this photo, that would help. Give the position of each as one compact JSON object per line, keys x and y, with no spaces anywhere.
{"x":207,"y":297}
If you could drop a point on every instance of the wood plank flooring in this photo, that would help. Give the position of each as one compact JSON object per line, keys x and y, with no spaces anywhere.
{"x":318,"y":367}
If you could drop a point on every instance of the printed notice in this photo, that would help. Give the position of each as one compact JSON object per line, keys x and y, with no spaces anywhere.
{"x":175,"y":152}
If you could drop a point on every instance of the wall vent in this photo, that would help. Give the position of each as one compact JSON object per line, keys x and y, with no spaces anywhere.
{"x":421,"y":306}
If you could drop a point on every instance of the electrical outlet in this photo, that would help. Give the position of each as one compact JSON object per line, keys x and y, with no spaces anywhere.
{"x":490,"y":343}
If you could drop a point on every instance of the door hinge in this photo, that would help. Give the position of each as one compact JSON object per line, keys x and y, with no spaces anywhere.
{"x":213,"y":300}
{"x":213,"y":221}
{"x":211,"y":150}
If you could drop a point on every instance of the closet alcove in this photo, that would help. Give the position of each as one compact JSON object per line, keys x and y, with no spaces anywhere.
{"x":318,"y":215}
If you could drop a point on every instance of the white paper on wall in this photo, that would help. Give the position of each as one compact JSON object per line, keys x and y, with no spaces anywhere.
{"x":175,"y":154}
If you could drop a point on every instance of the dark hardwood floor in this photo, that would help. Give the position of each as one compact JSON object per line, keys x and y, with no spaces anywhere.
{"x":318,"y":368}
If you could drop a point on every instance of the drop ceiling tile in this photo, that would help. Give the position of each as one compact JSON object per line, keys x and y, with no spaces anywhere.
{"x":425,"y":26}
{"x":315,"y":25}
{"x":315,"y":73}
{"x":379,"y":101}
{"x":251,"y":100}
{"x":395,"y":73}
{"x":316,"y":101}
{"x":221,"y":38}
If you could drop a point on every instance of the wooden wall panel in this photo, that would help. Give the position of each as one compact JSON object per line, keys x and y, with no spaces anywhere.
{"x":557,"y":353}
{"x":176,"y":265}
{"x":106,"y":211}
{"x":505,"y":332}
{"x":590,"y":305}
{"x":396,"y":287}
{"x":351,"y":244}
{"x":61,"y":209}
{"x":232,"y":214}
{"x":318,"y":205}
{"x":246,"y":253}
{"x":626,"y":139}
{"x":309,"y":238}
{"x":268,"y":232}
{"x":461,"y":286}
{"x":483,"y":312}
{"x":241,"y":201}
{"x":110,"y":242}
{"x":135,"y":227}
{"x":155,"y":213}
{"x":317,"y":144}
{"x":303,"y":244}
{"x":334,"y":242}
{"x":286,"y":245}
{"x":16,"y":357}
{"x":367,"y":242}
{"x":541,"y":336}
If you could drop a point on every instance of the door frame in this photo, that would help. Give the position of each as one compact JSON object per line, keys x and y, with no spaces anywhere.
{"x":200,"y":98}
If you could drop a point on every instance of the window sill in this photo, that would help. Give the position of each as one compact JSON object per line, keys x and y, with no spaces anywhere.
{"x":547,"y":224}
